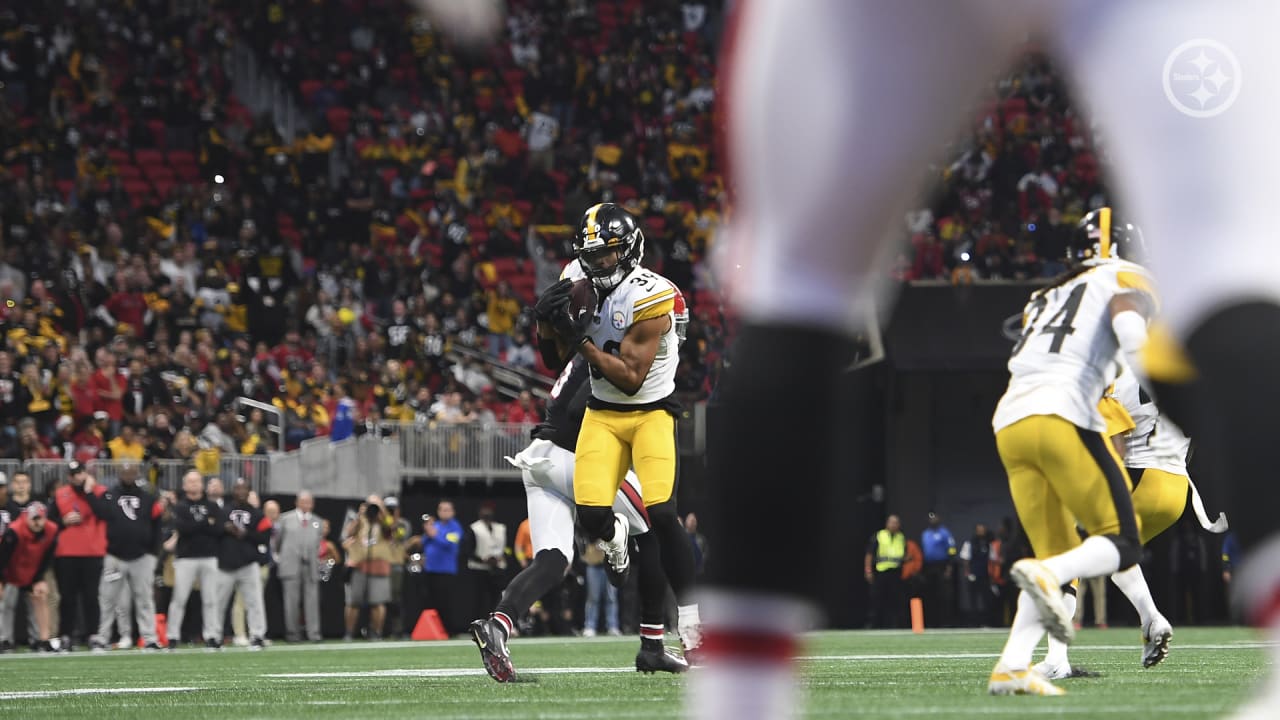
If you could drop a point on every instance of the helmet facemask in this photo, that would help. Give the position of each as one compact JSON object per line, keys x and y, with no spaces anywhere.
{"x":593,"y":257}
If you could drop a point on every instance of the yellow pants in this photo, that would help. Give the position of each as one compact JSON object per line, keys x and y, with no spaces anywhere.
{"x":1159,"y":498}
{"x":1059,"y":474}
{"x":611,"y":442}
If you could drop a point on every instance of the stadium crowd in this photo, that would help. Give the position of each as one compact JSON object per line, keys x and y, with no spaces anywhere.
{"x":1016,"y":182}
{"x":164,"y":251}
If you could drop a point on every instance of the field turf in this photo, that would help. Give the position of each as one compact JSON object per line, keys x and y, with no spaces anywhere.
{"x":847,"y":674}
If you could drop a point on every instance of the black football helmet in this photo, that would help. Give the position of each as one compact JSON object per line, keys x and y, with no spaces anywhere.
{"x":607,"y":228}
{"x":1103,"y":235}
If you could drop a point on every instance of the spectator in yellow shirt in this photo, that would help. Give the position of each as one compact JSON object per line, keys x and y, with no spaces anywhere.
{"x":503,"y":310}
{"x":126,"y":445}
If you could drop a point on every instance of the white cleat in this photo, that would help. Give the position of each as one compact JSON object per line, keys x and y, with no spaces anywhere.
{"x":1020,"y":682}
{"x":1033,"y":578}
{"x":1065,"y":671}
{"x":616,"y":553}
{"x":1155,"y":641}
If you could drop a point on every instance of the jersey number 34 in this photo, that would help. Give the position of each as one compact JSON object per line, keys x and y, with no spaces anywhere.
{"x":1058,"y":325}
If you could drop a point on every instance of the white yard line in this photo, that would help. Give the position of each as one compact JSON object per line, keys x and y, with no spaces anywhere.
{"x":441,"y":673}
{"x":38,"y":694}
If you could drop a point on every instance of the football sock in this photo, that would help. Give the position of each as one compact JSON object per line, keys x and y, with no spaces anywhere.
{"x":504,"y":620}
{"x":763,"y":588}
{"x":647,"y":561}
{"x":687,"y":624}
{"x":750,"y":645}
{"x":677,"y":552}
{"x":1095,"y":556}
{"x":1057,"y":654}
{"x":544,"y":573}
{"x":651,"y":636}
{"x":1134,"y":586}
{"x":1024,"y":636}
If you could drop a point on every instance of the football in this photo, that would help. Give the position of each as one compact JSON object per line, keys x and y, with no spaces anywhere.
{"x":583,"y":298}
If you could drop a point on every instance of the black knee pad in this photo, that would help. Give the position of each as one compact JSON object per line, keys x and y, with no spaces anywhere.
{"x":553,"y":560}
{"x":1130,"y":550}
{"x":596,"y":522}
{"x":663,"y":513}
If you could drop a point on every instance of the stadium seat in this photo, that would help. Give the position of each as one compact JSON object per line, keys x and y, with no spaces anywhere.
{"x":339,"y":120}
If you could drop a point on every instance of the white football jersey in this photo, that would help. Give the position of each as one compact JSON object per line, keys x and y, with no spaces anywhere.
{"x":1155,"y":442}
{"x":1068,"y":354}
{"x":641,"y":295}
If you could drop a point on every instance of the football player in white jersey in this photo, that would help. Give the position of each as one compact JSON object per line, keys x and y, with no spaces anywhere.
{"x":1155,"y":456}
{"x":631,"y":343}
{"x":833,"y":108}
{"x":1051,"y":438}
{"x":547,"y":469}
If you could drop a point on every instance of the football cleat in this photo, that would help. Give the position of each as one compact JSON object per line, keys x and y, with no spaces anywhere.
{"x":1020,"y":682}
{"x":650,"y":661}
{"x":1155,"y":641}
{"x":1065,"y":671}
{"x":1033,"y":578}
{"x":491,"y":639}
{"x":616,"y":554}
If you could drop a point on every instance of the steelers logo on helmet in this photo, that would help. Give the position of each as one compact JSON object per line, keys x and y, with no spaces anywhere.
{"x":608,"y":244}
{"x":1104,"y":235}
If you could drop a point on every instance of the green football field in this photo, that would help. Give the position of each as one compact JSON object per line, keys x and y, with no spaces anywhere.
{"x":847,"y":674}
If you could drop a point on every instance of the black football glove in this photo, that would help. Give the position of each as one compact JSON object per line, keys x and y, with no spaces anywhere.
{"x":553,"y":301}
{"x":571,"y":329}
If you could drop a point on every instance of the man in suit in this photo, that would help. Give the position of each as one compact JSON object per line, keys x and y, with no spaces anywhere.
{"x":297,"y":565}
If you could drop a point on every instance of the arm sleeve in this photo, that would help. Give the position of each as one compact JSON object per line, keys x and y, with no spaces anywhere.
{"x":101,"y":503}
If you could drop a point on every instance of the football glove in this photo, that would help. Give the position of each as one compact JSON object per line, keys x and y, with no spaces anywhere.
{"x":571,"y":329}
{"x":554,"y":301}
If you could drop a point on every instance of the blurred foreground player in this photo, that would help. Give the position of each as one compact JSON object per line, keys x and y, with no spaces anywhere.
{"x":817,"y":190}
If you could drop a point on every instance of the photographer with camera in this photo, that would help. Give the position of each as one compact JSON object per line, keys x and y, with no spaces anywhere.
{"x":370,"y":544}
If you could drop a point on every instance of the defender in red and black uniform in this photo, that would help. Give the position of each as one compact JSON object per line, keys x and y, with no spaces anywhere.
{"x":26,"y":552}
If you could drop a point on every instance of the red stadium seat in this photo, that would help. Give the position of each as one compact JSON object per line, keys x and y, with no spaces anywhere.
{"x":339,"y":120}
{"x":148,"y":157}
{"x":308,"y":89}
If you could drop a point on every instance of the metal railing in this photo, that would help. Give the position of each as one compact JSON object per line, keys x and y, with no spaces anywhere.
{"x":163,"y":474}
{"x":470,"y":451}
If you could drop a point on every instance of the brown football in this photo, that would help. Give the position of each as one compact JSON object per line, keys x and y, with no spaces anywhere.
{"x":582,"y":298}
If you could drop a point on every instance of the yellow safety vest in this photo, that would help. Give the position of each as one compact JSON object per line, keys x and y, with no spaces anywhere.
{"x":890,"y":550}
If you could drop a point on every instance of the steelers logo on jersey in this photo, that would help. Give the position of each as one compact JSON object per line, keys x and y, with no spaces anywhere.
{"x":619,"y":320}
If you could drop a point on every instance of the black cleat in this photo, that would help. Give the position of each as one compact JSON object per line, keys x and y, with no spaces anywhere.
{"x":212,"y":645}
{"x":652,"y":660}
{"x":491,"y":638}
{"x":257,"y":644}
